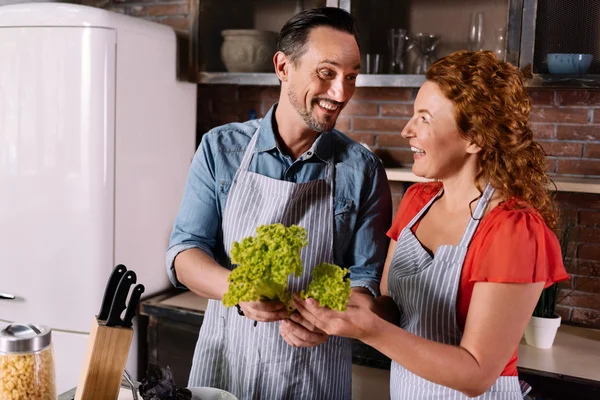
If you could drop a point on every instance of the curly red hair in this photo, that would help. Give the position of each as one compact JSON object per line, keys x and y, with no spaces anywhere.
{"x":492,"y":107}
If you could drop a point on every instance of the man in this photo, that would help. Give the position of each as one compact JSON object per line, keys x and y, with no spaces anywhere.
{"x":290,"y":167}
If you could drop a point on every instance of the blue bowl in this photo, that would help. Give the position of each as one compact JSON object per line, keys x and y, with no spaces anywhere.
{"x":569,"y":63}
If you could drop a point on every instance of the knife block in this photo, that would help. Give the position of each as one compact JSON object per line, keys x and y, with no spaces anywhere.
{"x":104,"y":362}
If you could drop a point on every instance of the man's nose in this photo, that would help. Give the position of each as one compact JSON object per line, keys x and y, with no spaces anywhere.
{"x":339,"y":91}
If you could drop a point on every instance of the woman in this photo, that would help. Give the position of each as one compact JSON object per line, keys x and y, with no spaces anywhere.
{"x":470,"y":253}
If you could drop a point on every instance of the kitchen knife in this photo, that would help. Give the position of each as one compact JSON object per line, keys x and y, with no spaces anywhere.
{"x":119,"y":301}
{"x":134,"y":300}
{"x":111,"y":289}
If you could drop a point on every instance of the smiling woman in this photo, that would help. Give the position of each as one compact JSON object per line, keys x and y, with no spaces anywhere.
{"x":470,"y":253}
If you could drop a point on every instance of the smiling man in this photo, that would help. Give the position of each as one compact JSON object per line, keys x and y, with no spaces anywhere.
{"x":291,"y":167}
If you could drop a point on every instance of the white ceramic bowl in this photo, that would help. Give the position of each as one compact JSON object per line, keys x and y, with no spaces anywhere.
{"x":208,"y":393}
{"x":248,"y":50}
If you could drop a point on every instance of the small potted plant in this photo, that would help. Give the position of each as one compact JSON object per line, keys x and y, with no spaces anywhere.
{"x":543,"y":325}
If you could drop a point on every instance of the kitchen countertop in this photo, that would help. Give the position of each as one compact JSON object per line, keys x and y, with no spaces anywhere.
{"x":124,"y":394}
{"x":575,"y":353}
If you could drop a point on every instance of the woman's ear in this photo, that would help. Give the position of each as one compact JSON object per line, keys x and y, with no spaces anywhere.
{"x":281,"y":63}
{"x":473,"y":148}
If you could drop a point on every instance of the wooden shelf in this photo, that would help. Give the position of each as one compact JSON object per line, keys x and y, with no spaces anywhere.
{"x":563,"y":184}
{"x":270,"y":79}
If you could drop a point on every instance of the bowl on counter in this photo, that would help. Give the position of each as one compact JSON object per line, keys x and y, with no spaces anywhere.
{"x":569,"y":63}
{"x":208,"y":393}
{"x":248,"y":50}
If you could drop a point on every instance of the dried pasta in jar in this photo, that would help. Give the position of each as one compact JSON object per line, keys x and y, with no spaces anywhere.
{"x":26,"y":363}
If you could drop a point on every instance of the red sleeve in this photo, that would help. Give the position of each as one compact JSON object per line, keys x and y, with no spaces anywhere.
{"x":415,"y":198}
{"x":518,"y":247}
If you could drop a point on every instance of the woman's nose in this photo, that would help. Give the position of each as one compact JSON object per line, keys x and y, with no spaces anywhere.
{"x":408,"y":130}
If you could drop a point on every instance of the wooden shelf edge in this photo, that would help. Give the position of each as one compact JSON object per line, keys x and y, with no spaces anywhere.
{"x":563,"y":184}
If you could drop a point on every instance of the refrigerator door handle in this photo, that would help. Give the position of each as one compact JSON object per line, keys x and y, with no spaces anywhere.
{"x":7,"y":296}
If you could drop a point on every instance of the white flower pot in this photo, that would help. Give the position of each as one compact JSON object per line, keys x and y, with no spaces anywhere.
{"x":540,"y":332}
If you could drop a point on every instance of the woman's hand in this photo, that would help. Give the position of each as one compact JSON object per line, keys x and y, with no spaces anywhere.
{"x":298,"y":335}
{"x":264,"y":311}
{"x":356,"y":322}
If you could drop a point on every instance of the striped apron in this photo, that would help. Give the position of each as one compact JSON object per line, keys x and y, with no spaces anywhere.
{"x":254,"y":362}
{"x":425,"y":290}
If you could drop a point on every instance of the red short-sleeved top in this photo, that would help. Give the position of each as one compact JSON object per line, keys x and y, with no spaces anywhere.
{"x":509,"y":246}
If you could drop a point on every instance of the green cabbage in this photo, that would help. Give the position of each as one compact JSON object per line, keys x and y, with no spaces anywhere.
{"x":329,"y":286}
{"x":264,"y":263}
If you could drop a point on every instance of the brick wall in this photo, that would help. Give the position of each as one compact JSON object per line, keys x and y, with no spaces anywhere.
{"x":174,"y":13}
{"x":566,"y":122}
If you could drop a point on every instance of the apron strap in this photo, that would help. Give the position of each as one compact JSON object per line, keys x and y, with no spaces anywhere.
{"x":423,"y":210}
{"x":249,"y":151}
{"x":482,"y":204}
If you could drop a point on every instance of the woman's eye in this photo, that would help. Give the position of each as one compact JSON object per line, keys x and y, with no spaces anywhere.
{"x":424,"y":120}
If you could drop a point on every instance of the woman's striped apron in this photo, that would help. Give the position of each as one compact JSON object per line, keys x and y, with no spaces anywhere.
{"x":425,"y":290}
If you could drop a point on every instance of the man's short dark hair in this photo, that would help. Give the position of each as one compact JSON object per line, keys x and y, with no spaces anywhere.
{"x":295,"y":32}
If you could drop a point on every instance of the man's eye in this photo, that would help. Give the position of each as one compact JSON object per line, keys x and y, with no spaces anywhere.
{"x":326,"y":73}
{"x":351,"y":78}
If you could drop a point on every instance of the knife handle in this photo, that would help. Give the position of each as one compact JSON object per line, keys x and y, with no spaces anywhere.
{"x":119,"y":302}
{"x":132,"y":306}
{"x":111,"y":289}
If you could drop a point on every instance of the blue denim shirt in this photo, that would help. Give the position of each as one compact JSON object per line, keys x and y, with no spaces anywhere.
{"x":362,"y":198}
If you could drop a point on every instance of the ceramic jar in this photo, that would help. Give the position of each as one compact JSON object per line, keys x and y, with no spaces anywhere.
{"x":248,"y":50}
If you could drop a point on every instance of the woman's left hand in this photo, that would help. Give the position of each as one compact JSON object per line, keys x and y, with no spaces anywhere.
{"x":356,"y":322}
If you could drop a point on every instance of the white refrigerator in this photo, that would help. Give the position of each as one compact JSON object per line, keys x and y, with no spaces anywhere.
{"x":96,"y":138}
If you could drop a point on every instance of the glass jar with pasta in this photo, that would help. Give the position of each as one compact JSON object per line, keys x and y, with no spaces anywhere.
{"x":26,"y":363}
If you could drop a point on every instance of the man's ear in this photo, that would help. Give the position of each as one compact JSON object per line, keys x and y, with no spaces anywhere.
{"x":282,"y":64}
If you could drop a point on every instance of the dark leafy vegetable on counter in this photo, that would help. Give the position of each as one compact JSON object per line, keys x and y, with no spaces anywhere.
{"x":159,"y":385}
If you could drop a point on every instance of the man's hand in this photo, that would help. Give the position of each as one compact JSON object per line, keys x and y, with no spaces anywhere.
{"x":299,"y":336}
{"x":264,"y":311}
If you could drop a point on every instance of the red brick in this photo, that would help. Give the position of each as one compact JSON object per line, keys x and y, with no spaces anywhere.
{"x":543,"y":131}
{"x":229,"y":92}
{"x":591,"y":150}
{"x":177,"y":23}
{"x":541,"y":97}
{"x":396,"y":158}
{"x":589,"y":252}
{"x":578,"y":132}
{"x":564,"y":312}
{"x":586,"y":317}
{"x":578,"y":200}
{"x":583,"y":267}
{"x":565,"y":284}
{"x":392,"y":140}
{"x":565,"y":149}
{"x":343,"y":124}
{"x":579,"y":299}
{"x":360,"y":108}
{"x":586,"y":234}
{"x":554,"y":114}
{"x":383,"y":93}
{"x":551,"y":165}
{"x":268,"y":94}
{"x":366,"y":138}
{"x":578,"y":97}
{"x":568,"y":215}
{"x":397,"y":110}
{"x":158,"y":10}
{"x":240,"y":108}
{"x":579,"y":167}
{"x":378,"y":124}
{"x":586,"y":284}
{"x":589,"y":217}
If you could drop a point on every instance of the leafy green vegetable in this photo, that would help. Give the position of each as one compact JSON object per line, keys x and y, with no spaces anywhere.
{"x":329,"y":286}
{"x":264,"y":263}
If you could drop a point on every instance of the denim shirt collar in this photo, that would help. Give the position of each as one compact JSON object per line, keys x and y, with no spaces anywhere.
{"x":322,"y":147}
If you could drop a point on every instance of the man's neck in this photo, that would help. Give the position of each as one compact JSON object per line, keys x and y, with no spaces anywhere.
{"x":292,"y":134}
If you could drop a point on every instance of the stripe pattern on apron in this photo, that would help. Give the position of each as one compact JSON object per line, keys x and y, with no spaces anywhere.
{"x":425,"y":289}
{"x":254,"y":362}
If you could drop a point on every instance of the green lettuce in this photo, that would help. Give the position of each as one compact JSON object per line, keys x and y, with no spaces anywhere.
{"x":264,"y":263}
{"x":329,"y":286}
